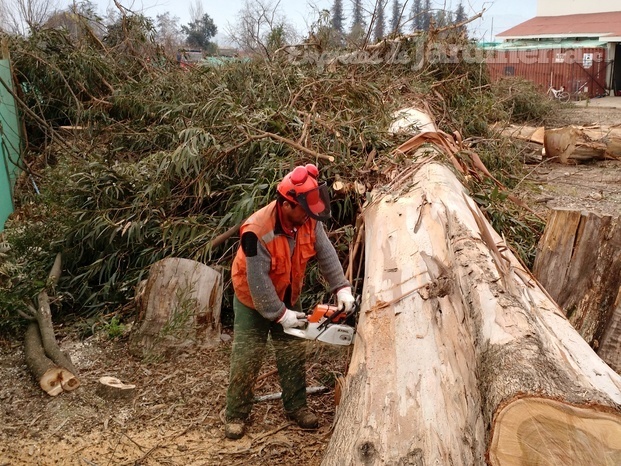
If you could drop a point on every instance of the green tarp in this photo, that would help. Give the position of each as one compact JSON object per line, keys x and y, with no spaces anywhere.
{"x":542,"y":44}
{"x":9,"y":143}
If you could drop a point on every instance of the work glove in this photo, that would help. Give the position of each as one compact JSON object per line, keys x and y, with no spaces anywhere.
{"x":292,"y":319}
{"x":345,"y":300}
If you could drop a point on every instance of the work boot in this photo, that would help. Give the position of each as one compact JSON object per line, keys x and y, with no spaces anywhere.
{"x":305,"y":418}
{"x":234,"y":429}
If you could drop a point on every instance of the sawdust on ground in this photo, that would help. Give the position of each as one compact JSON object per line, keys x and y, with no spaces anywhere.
{"x":176,"y":418}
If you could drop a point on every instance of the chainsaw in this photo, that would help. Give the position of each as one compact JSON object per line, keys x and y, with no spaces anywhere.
{"x":327,"y":324}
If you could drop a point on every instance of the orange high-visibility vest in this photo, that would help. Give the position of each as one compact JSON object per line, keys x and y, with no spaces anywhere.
{"x":286,"y":269}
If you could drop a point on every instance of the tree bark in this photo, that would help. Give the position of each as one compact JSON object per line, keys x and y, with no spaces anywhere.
{"x":52,"y":379}
{"x":579,"y":263}
{"x":459,"y":351}
{"x":48,"y":364}
{"x":180,"y":307}
{"x":48,"y":339}
{"x":610,"y":348}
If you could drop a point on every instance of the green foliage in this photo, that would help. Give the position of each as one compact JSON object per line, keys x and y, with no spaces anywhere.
{"x":520,"y":100}
{"x":171,"y":159}
{"x":114,"y":328}
{"x":200,"y":32}
{"x":521,"y":229}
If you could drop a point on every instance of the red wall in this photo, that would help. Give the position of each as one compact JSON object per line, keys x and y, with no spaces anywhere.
{"x":557,"y":67}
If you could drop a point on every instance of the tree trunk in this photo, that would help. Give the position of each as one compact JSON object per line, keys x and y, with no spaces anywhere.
{"x":460,"y":355}
{"x":52,"y":379}
{"x":44,"y":319}
{"x":579,"y":263}
{"x":610,"y":348}
{"x":180,"y":307}
{"x":57,"y":373}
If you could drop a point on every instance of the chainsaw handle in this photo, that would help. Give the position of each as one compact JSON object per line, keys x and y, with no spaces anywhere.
{"x":330,"y":319}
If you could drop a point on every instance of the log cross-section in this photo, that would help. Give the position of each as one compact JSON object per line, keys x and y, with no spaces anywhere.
{"x":459,"y":351}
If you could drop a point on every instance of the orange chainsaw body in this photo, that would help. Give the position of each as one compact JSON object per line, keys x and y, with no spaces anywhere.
{"x":322,"y":311}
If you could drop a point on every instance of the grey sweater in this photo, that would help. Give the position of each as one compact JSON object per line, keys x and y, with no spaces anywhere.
{"x":258,"y":266}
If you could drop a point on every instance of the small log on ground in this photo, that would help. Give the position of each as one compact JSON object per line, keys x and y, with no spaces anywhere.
{"x":459,"y":351}
{"x":48,"y":364}
{"x":52,"y":378}
{"x":112,"y":389}
{"x":578,"y":262}
{"x":43,"y":369}
{"x":179,"y":308}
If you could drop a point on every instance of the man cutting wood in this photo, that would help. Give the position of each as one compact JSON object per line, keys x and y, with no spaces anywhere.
{"x":268,"y":274}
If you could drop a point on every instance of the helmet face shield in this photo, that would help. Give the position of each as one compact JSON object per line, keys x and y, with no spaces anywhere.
{"x":316,"y":202}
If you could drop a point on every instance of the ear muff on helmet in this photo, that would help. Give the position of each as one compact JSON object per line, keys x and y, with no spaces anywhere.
{"x":300,"y":186}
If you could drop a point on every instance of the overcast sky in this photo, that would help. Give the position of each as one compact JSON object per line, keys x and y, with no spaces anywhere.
{"x":499,"y":16}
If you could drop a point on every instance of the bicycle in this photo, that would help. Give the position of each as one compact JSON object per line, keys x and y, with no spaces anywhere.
{"x":559,"y":94}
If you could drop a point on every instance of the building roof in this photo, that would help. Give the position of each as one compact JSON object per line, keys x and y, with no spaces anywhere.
{"x":605,"y":26}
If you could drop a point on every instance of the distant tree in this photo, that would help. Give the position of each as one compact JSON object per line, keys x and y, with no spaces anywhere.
{"x":395,"y":19}
{"x":23,"y":16}
{"x":357,"y":15}
{"x":426,"y":16}
{"x":337,"y":16}
{"x":323,"y":33}
{"x":199,"y":33}
{"x":276,"y":38}
{"x":380,"y":21}
{"x":417,"y":15}
{"x":261,"y":28}
{"x":440,"y":18}
{"x":80,"y":20}
{"x":460,"y":16}
{"x":196,"y":10}
{"x":358,"y":25}
{"x":168,"y":33}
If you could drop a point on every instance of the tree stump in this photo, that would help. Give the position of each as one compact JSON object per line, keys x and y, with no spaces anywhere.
{"x":179,"y":308}
{"x":459,"y":352}
{"x":112,"y":389}
{"x":579,"y":263}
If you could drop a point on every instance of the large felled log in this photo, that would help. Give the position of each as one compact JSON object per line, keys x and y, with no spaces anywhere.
{"x":460,"y":355}
{"x":579,"y":263}
{"x":179,"y":307}
{"x":571,"y":144}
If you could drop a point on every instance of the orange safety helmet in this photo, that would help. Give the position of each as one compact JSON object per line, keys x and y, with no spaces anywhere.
{"x":301,"y":187}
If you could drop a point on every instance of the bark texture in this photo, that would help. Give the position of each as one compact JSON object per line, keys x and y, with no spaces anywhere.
{"x":51,"y":367}
{"x":454,"y":337}
{"x":179,"y":308}
{"x":579,"y":263}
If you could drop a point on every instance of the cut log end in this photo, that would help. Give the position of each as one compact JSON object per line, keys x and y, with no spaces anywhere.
{"x":546,"y":431}
{"x":50,"y":381}
{"x":112,"y":389}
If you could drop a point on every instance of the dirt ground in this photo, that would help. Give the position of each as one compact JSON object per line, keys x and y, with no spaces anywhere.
{"x":176,"y":417}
